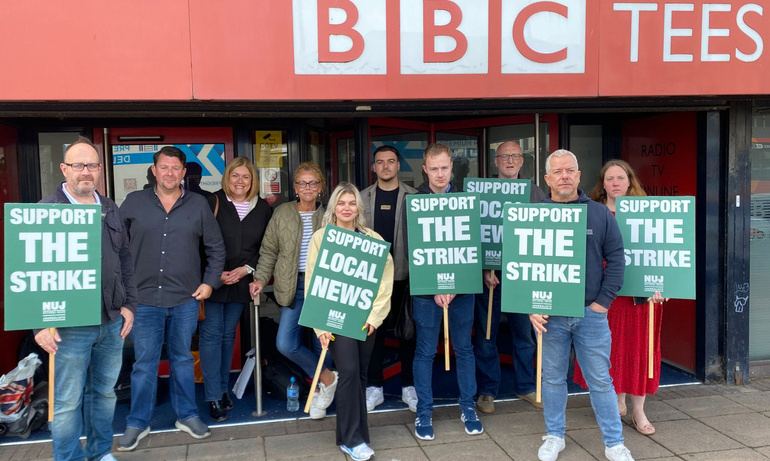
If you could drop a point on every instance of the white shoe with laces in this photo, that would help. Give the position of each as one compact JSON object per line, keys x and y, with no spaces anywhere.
{"x":618,"y":453}
{"x":409,"y":397}
{"x":316,"y":412}
{"x":326,"y":393}
{"x":550,"y":448}
{"x":374,"y":397}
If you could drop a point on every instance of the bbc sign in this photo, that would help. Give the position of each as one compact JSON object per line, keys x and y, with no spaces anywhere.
{"x":353,"y":37}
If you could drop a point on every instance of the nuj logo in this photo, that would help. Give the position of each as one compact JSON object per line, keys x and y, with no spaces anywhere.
{"x":337,"y":315}
{"x":53,"y":306}
{"x":445,"y":276}
{"x":653,"y":279}
{"x":542,"y":294}
{"x":494,"y":254}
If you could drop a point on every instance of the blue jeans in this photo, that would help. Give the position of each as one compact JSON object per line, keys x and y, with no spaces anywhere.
{"x":428,"y":318}
{"x":591,"y":338}
{"x":87,"y":366}
{"x":487,"y":356}
{"x":151,"y":324}
{"x":217,"y":335}
{"x":289,"y":339}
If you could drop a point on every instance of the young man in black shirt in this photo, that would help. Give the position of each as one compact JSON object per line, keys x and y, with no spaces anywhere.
{"x":383,"y":203}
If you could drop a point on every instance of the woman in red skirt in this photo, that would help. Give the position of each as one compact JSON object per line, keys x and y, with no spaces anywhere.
{"x":628,"y":317}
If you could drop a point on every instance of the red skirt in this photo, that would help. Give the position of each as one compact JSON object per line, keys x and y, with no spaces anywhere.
{"x":628,"y":358}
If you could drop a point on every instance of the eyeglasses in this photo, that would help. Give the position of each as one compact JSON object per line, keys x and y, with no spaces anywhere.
{"x":305,"y":185}
{"x":509,"y":157}
{"x":80,"y":166}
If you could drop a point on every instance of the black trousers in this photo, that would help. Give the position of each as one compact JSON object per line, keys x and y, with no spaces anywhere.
{"x":351,"y":357}
{"x":405,"y":347}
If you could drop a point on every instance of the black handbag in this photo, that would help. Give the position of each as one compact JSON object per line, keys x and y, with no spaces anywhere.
{"x":404,"y":324}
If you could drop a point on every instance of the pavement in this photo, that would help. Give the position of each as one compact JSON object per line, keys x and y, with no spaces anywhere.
{"x":693,"y":422}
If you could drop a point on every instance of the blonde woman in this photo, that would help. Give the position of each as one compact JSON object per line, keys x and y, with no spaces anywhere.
{"x":351,"y":356}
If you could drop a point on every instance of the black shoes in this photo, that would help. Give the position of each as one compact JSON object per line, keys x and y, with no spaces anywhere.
{"x":216,"y":411}
{"x":227,"y":404}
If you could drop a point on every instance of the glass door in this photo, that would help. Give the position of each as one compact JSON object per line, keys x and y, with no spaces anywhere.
{"x":130,"y":154}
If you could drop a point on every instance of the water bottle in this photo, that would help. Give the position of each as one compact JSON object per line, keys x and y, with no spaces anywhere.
{"x":292,"y":396}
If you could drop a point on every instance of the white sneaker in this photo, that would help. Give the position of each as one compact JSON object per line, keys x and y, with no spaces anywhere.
{"x":327,"y":392}
{"x":409,"y":397}
{"x":550,"y":448}
{"x":316,"y":412}
{"x":361,"y":452}
{"x":618,"y":453}
{"x":374,"y":397}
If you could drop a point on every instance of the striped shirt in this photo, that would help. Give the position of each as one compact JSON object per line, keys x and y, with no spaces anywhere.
{"x":241,"y":207}
{"x":307,"y":232}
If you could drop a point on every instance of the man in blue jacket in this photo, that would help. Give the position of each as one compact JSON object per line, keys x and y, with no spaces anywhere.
{"x":88,"y":358}
{"x":590,"y":334}
{"x":428,"y":312}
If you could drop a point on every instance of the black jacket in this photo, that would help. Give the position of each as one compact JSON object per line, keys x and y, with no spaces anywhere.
{"x":118,"y":287}
{"x":242,"y":242}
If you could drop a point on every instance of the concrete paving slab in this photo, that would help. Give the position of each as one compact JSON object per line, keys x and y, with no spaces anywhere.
{"x":581,"y":418}
{"x":579,"y":401}
{"x":759,"y":401}
{"x":713,"y":405}
{"x":401,"y":454}
{"x":745,"y":454}
{"x":242,"y":450}
{"x":391,"y":437}
{"x":764,"y":450}
{"x":641,"y":447}
{"x":520,"y":447}
{"x":501,"y":426}
{"x":477,"y":450}
{"x":691,"y":436}
{"x":177,"y":453}
{"x":339,"y":456}
{"x":752,"y":429}
{"x":513,"y":406}
{"x":304,"y":445}
{"x":657,"y":410}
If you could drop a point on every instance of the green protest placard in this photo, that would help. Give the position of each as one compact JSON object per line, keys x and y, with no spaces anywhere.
{"x":659,"y":241}
{"x":53,"y":257}
{"x":544,"y":254}
{"x":344,"y":283}
{"x":444,"y":243}
{"x":494,"y":193}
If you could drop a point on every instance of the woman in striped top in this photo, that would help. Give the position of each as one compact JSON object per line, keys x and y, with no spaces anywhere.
{"x":242,"y":218}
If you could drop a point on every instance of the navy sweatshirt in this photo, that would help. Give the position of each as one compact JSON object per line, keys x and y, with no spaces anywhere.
{"x":603,"y":243}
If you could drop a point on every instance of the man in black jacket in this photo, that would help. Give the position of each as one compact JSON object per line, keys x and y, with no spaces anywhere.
{"x":88,"y":358}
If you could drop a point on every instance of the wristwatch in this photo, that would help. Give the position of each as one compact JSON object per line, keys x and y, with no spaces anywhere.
{"x":249,"y":269}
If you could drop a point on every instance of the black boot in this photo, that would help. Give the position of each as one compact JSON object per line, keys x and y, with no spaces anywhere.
{"x":227,"y":404}
{"x":216,"y":412}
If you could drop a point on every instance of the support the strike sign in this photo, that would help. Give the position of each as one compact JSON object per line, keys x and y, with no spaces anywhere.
{"x":494,"y":193}
{"x":544,"y":254}
{"x":52,"y":265}
{"x":659,"y":241}
{"x":444,"y":243}
{"x":344,"y":283}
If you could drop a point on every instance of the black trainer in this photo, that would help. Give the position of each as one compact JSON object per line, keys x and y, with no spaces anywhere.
{"x":227,"y":404}
{"x":216,"y":412}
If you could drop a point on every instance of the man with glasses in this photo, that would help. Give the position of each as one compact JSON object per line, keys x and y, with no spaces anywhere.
{"x":167,"y":227}
{"x":508,"y":159}
{"x":88,"y":358}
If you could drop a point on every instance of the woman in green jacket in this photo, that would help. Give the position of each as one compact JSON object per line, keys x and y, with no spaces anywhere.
{"x":282,"y":256}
